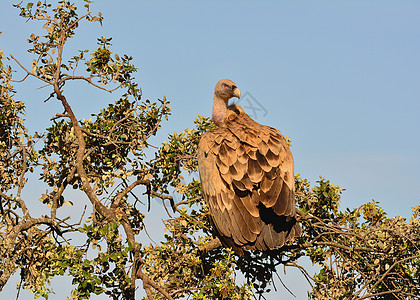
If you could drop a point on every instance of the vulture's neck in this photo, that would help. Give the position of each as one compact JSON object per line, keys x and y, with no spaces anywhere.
{"x":219,"y":111}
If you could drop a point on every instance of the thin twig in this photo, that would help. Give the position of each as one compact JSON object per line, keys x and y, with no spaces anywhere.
{"x":127,"y":190}
{"x":57,"y":115}
{"x":30,"y":73}
{"x":89,"y":80}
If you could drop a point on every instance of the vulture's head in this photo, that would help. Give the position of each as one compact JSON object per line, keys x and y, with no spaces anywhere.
{"x":226,"y":89}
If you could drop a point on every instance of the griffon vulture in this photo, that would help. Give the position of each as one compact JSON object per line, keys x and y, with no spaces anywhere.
{"x":247,"y":177}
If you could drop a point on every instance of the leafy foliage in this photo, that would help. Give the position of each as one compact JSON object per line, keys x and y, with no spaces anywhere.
{"x":361,"y":253}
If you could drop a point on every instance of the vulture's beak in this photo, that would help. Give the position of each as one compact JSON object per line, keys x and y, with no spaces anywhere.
{"x":236,"y":92}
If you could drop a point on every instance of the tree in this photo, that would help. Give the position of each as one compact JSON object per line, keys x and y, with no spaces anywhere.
{"x":361,"y":253}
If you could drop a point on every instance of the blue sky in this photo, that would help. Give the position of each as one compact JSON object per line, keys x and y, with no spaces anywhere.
{"x":340,"y":78}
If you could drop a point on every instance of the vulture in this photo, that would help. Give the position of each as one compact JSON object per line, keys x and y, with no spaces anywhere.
{"x":247,"y":176}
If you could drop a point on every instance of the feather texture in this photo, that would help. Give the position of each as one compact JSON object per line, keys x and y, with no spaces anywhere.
{"x":247,"y":176}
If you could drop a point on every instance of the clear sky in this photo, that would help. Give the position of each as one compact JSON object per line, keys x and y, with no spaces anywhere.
{"x":340,"y":78}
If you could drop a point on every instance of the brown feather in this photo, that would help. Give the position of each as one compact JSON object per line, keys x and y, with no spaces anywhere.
{"x":223,"y":168}
{"x":249,"y":226}
{"x":237,"y":226}
{"x":239,"y":188}
{"x":223,"y":154}
{"x":240,"y":151}
{"x":219,"y":137}
{"x":266,"y":184}
{"x":251,"y":208}
{"x":252,"y":154}
{"x":241,"y":167}
{"x":243,"y":158}
{"x":262,"y":161}
{"x":255,"y":173}
{"x":272,"y":159}
{"x":263,"y":148}
{"x":234,"y":173}
{"x":271,"y":197}
{"x":283,"y":205}
{"x":215,"y":149}
{"x":274,"y":147}
{"x":219,"y":217}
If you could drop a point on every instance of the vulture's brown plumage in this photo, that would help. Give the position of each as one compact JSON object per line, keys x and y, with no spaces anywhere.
{"x":247,"y":176}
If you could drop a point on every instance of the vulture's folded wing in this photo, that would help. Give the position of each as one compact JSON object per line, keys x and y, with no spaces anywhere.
{"x":247,"y":177}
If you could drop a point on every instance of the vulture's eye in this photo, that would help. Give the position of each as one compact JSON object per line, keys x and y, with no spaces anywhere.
{"x":225,"y":86}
